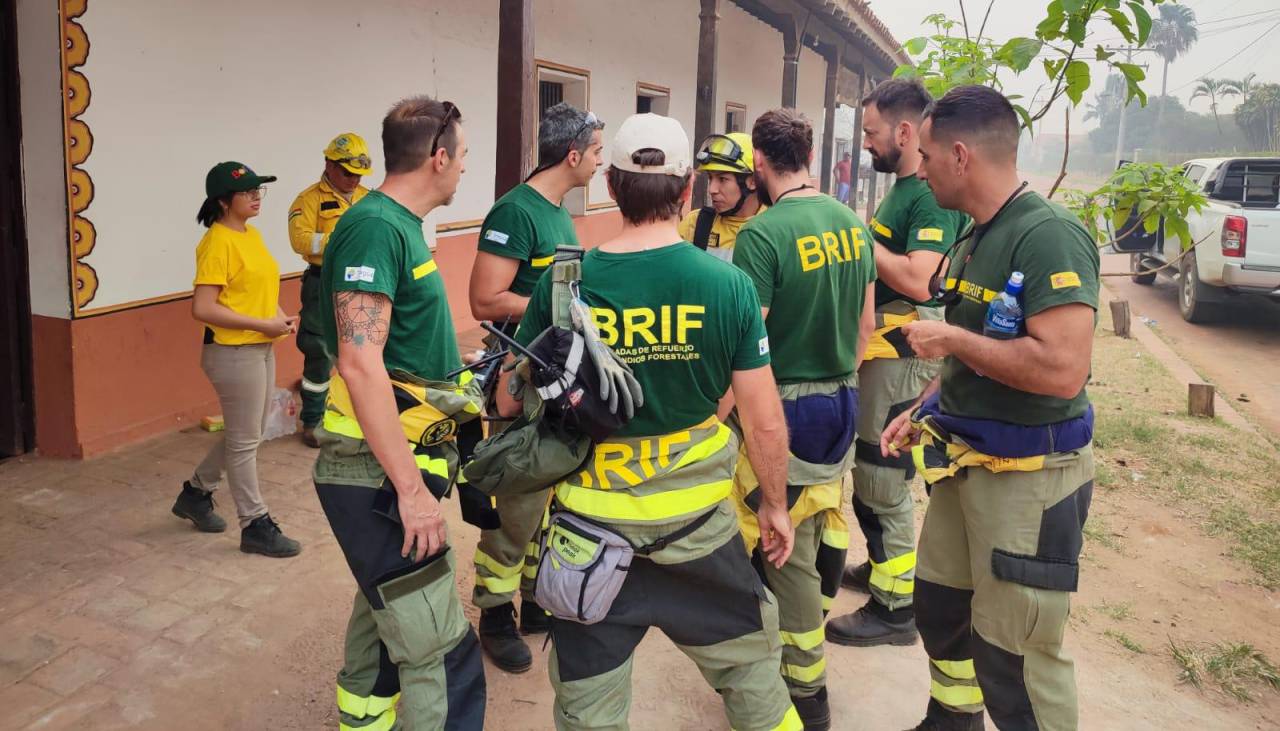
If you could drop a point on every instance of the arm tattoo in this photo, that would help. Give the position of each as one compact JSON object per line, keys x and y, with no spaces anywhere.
{"x":363,"y":317}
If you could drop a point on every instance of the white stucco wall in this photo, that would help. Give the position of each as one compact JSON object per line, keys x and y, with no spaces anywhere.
{"x":43,"y":167}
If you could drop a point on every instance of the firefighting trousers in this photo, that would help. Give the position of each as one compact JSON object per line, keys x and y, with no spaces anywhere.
{"x":998,"y":562}
{"x":407,"y":638}
{"x":507,"y":557}
{"x":316,"y":365}
{"x":882,"y":485}
{"x":700,"y":591}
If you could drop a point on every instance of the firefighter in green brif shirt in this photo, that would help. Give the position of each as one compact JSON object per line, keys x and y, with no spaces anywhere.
{"x":912,"y":233}
{"x":1003,"y":435}
{"x":518,"y":241}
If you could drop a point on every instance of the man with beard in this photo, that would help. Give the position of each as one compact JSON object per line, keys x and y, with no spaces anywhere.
{"x":912,"y":234}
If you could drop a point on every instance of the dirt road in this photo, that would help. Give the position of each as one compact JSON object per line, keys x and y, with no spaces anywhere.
{"x":1239,"y":353}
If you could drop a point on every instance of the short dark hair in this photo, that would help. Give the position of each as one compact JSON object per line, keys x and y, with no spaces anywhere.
{"x":563,"y":128}
{"x":409,"y":128}
{"x":647,"y":197}
{"x":785,"y":137}
{"x":212,"y":211}
{"x":899,"y":99}
{"x":979,"y":115}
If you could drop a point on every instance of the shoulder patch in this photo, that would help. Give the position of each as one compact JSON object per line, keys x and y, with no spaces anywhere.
{"x":881,"y":229}
{"x":496,"y":237}
{"x":359,"y":274}
{"x":929,"y":234}
{"x":1062,"y":280}
{"x":764,"y":345}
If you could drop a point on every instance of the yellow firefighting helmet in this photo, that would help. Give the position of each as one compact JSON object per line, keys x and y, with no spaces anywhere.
{"x":350,"y":151}
{"x":730,"y":153}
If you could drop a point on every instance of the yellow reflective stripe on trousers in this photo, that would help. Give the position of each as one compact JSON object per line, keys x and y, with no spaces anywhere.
{"x":437,"y":466}
{"x":955,"y":695}
{"x":658,"y":506}
{"x":835,"y":538}
{"x":705,"y":449}
{"x":385,"y":722}
{"x":892,"y":585}
{"x":958,"y":669}
{"x":505,"y":578}
{"x":896,"y":566}
{"x":359,"y":706}
{"x":804,"y":640}
{"x":805,"y":673}
{"x":790,"y":722}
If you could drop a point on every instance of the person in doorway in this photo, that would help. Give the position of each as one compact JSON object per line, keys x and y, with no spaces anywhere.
{"x":387,"y":442}
{"x":1004,"y":432}
{"x":518,"y":242}
{"x":727,"y":161}
{"x":811,"y":261}
{"x":312,"y":218}
{"x":844,"y":177}
{"x":237,"y":298}
{"x":912,"y":233}
{"x":663,"y":480}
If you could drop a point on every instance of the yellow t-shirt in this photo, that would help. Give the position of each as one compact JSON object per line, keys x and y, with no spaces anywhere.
{"x":242,"y":266}
{"x":724,"y":232}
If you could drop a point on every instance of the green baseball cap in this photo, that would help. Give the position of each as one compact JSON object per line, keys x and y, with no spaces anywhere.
{"x":232,"y":177}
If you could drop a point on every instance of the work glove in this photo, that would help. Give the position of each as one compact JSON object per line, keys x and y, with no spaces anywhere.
{"x":618,"y":385}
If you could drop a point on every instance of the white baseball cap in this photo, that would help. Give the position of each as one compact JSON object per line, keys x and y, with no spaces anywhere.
{"x":653,"y":131}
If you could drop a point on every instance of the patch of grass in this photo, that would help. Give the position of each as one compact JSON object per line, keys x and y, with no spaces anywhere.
{"x":1235,"y":667}
{"x":1118,"y":611}
{"x":1102,"y":474}
{"x":1125,"y":641}
{"x":1097,"y":531}
{"x":1129,"y":429}
{"x":1256,"y":542}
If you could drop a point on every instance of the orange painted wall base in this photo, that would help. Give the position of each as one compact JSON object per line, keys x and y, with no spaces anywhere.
{"x":108,"y":381}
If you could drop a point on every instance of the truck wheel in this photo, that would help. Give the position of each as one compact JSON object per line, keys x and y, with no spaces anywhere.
{"x":1192,"y":294}
{"x":1136,"y":265}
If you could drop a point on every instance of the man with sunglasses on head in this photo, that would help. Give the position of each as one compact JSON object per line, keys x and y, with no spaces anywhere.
{"x":1003,"y":434}
{"x":727,"y":161}
{"x":518,"y":241}
{"x":810,"y":259}
{"x":312,"y":217}
{"x":912,"y":233}
{"x":387,"y":442}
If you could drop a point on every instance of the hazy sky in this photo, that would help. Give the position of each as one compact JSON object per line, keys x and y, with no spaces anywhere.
{"x":1226,"y":27}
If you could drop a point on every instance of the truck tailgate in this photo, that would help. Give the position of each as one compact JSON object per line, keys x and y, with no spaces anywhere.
{"x":1262,"y":247}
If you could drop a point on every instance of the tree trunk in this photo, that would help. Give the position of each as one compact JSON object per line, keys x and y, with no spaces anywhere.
{"x":1164,"y":92}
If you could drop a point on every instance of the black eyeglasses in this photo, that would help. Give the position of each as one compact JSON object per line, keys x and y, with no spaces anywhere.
{"x":450,"y":113}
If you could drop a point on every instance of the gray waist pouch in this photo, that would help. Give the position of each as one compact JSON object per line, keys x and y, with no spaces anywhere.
{"x":584,"y":565}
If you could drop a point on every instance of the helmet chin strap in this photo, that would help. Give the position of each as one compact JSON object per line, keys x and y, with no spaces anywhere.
{"x":742,"y":188}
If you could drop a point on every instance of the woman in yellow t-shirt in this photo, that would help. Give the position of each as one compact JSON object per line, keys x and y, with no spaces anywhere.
{"x":237,"y":293}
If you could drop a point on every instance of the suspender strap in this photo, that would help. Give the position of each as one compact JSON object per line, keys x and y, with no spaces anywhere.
{"x":702,"y":229}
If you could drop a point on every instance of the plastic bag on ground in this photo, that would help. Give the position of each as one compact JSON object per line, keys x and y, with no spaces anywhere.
{"x":282,"y":415}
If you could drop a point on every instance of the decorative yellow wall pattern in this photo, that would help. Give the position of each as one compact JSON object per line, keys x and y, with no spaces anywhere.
{"x":79,"y":143}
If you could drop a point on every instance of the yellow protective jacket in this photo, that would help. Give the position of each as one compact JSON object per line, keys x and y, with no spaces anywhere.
{"x":314,"y":214}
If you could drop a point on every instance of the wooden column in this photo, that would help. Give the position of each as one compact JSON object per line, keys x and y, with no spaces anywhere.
{"x":829,"y":122}
{"x":791,"y":35}
{"x":704,"y":110}
{"x":857,"y":139}
{"x":871,"y":194}
{"x":517,"y":97}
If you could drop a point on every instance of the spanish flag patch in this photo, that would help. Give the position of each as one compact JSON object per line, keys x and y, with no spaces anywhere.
{"x":929,"y":234}
{"x":1064,"y":279}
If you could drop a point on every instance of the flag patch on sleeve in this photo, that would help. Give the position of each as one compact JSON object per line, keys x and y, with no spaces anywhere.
{"x":929,"y":234}
{"x":1062,"y":280}
{"x":764,"y":345}
{"x":358,"y":274}
{"x":496,"y":237}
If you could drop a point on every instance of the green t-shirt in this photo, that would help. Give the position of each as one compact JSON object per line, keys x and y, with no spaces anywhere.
{"x":812,"y":264}
{"x":682,"y":320}
{"x":524,"y":225}
{"x":378,"y":247}
{"x":1059,"y":263}
{"x":910,"y":219}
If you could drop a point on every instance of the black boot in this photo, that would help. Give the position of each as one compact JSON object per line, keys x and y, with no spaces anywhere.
{"x":873,"y":625}
{"x":857,"y":578}
{"x":814,"y":712}
{"x":534,"y":620}
{"x":263,"y":536}
{"x":500,"y":640}
{"x":196,"y":505}
{"x":938,"y":718}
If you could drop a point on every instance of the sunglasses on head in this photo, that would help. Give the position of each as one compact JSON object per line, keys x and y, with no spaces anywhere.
{"x":450,"y":113}
{"x":591,"y":120}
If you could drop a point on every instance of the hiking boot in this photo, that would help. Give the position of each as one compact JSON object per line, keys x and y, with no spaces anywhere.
{"x":814,"y":712}
{"x":500,"y":640}
{"x":196,"y":505}
{"x":938,"y":718}
{"x":309,"y":437}
{"x":534,"y":620}
{"x":873,"y":625}
{"x":263,"y":536}
{"x":857,"y":578}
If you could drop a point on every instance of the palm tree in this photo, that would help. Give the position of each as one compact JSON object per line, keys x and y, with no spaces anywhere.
{"x":1244,"y":87}
{"x":1213,"y":89}
{"x":1172,"y":34}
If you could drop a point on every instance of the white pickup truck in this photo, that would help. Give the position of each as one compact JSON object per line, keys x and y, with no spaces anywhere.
{"x":1240,"y":226}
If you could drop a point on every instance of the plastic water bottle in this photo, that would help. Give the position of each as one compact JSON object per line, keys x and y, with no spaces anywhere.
{"x":1004,"y":315}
